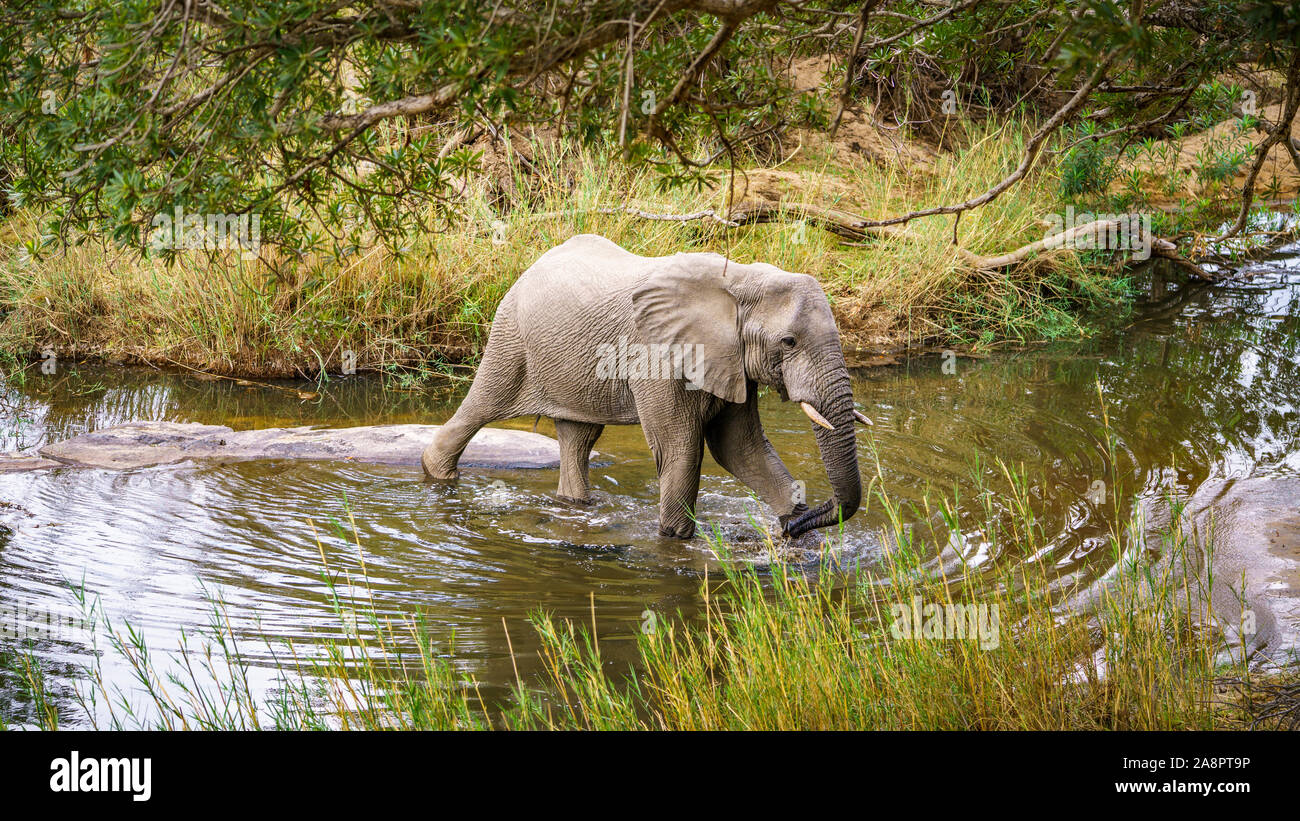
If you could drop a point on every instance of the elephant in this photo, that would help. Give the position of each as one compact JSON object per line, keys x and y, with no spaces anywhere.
{"x":593,"y":335}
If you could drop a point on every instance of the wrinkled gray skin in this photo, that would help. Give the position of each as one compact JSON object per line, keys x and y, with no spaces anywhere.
{"x":758,"y":325}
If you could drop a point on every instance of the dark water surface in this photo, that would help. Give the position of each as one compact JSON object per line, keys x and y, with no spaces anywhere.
{"x":1203,"y":383}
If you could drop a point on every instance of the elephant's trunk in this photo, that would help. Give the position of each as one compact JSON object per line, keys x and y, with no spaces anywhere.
{"x":839,"y":452}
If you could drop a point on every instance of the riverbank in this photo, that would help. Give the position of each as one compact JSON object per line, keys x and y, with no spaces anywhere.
{"x":427,"y":307}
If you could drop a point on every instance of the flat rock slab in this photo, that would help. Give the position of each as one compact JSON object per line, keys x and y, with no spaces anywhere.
{"x":19,"y":462}
{"x":145,"y":444}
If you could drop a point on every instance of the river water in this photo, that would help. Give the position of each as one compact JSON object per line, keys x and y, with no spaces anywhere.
{"x":1201,"y":383}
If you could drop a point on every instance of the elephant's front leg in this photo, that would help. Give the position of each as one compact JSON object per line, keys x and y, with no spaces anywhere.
{"x":737,"y":442}
{"x":677,"y":453}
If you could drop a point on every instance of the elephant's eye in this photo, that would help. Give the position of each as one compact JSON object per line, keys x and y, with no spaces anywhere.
{"x":788,"y":342}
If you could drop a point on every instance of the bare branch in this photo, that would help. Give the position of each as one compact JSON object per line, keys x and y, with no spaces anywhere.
{"x":1280,"y":131}
{"x":1032,"y":149}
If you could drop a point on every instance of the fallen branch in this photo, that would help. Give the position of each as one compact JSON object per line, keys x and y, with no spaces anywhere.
{"x":852,"y":226}
{"x":702,"y":214}
{"x":1088,"y":235}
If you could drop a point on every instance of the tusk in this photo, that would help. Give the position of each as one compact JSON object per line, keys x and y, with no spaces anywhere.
{"x":815,"y":416}
{"x":862,"y":417}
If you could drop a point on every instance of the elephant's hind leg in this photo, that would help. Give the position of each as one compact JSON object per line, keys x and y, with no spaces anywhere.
{"x":440,"y":457}
{"x":493,"y":396}
{"x":576,"y":441}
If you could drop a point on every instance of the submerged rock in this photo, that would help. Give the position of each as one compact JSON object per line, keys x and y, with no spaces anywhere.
{"x":145,"y":444}
{"x":1254,"y":527}
{"x":1238,"y":573}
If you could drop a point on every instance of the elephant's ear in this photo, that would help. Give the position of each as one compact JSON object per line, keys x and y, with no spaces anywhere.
{"x":690,"y":307}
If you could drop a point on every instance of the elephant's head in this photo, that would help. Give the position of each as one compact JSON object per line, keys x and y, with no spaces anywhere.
{"x":759,"y":323}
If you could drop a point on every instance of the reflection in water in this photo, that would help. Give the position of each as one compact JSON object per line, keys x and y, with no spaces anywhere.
{"x":1204,"y":385}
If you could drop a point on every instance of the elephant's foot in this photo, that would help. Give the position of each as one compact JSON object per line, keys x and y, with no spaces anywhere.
{"x":573,"y":491}
{"x":809,"y":540}
{"x":438,"y":466}
{"x":685,"y":530}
